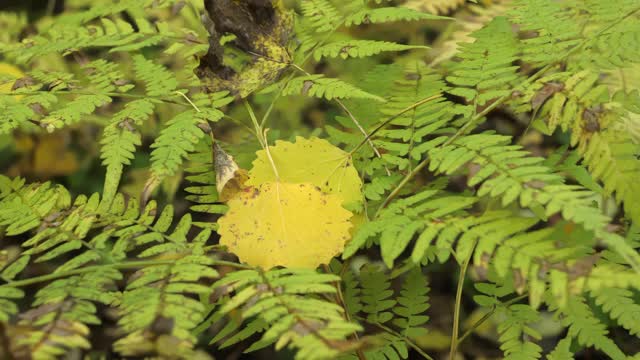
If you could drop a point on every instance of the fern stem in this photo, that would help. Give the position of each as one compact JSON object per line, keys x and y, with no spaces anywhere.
{"x":408,"y":341}
{"x":188,"y":100}
{"x":393,"y":117}
{"x":256,"y":126}
{"x":458,"y":305}
{"x":121,"y":266}
{"x":487,"y":316}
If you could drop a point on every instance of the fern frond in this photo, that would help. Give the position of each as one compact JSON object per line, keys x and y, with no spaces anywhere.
{"x":178,"y":139}
{"x":388,"y":14}
{"x":403,"y":219}
{"x":322,"y":14}
{"x":486,"y":71}
{"x":13,"y":114}
{"x":359,"y":48}
{"x":496,"y":241}
{"x":158,"y":295}
{"x":412,"y":304}
{"x":351,"y":292}
{"x":389,"y":347}
{"x":611,"y":158}
{"x":157,"y":79}
{"x":64,"y":310}
{"x":464,"y":25}
{"x":26,"y":207}
{"x":619,"y":304}
{"x":322,"y":87}
{"x":514,"y":328}
{"x":604,"y":137}
{"x":119,"y":141}
{"x":135,"y":228}
{"x":534,"y":185}
{"x":66,"y":235}
{"x":115,"y":33}
{"x":106,"y":76}
{"x":617,"y":46}
{"x":8,"y":296}
{"x":202,"y":182}
{"x":105,"y":10}
{"x":285,"y":300}
{"x":587,"y":329}
{"x":404,"y":139}
{"x":74,"y":111}
{"x":506,"y":170}
{"x":555,"y":27}
{"x":377,"y":296}
{"x":514,"y":331}
{"x":562,"y":350}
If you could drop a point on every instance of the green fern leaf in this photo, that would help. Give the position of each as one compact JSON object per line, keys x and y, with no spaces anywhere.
{"x":13,"y":114}
{"x":321,"y":87}
{"x":159,"y":292}
{"x":8,"y":296}
{"x":388,"y":14}
{"x":158,"y":80}
{"x":619,"y":304}
{"x":412,"y":304}
{"x":376,"y":295}
{"x":587,"y":329}
{"x":359,"y":48}
{"x":321,"y":14}
{"x":485,"y":71}
{"x":513,"y":328}
{"x":284,"y":300}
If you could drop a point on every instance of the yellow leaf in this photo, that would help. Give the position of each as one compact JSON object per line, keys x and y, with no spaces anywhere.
{"x":53,"y":158}
{"x":12,"y":72}
{"x":313,"y":161}
{"x":292,"y":225}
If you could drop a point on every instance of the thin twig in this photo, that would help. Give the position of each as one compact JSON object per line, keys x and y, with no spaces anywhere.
{"x":487,"y":316}
{"x":458,"y":305}
{"x":408,"y":341}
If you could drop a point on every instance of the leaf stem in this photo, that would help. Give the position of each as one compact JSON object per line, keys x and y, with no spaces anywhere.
{"x":257,"y":128}
{"x":408,"y":341}
{"x":487,"y":316}
{"x":458,"y":305}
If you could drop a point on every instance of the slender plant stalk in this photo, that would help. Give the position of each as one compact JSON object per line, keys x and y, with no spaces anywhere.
{"x":408,"y":341}
{"x":458,"y":305}
{"x":487,"y":316}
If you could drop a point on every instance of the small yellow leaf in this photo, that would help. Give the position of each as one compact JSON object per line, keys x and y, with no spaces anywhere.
{"x":230,"y":178}
{"x":8,"y":70}
{"x":292,"y":225}
{"x":313,"y":161}
{"x":53,"y":158}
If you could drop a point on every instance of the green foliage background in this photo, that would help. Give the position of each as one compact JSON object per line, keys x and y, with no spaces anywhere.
{"x":498,"y":143}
